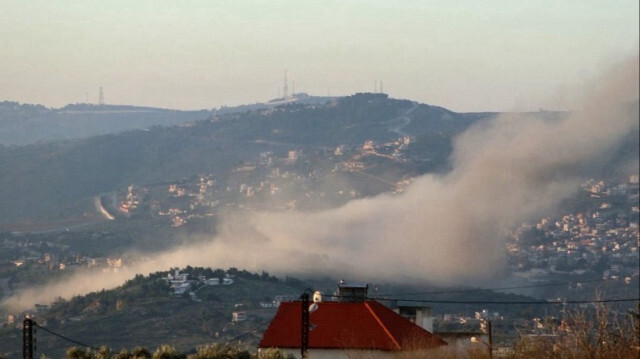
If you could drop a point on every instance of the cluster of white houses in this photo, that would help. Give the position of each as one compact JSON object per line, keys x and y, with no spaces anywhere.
{"x":181,"y":284}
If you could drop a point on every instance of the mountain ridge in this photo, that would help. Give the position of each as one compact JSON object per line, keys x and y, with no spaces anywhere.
{"x":46,"y":177}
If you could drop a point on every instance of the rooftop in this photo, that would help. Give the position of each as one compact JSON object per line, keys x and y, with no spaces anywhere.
{"x":347,"y":325}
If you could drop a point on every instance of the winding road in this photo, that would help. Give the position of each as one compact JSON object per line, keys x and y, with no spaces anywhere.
{"x":406,"y":120}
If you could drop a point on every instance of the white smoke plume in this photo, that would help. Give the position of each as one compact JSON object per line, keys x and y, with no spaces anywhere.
{"x":446,"y":229}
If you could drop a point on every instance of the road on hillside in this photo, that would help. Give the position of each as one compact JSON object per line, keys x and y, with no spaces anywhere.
{"x":406,"y":120}
{"x":97,"y":201}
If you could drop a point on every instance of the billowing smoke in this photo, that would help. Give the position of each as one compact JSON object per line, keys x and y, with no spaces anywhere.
{"x":445,"y":229}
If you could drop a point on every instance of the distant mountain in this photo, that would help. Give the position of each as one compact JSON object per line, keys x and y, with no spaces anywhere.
{"x":25,"y":124}
{"x":51,"y":179}
{"x":22,"y":124}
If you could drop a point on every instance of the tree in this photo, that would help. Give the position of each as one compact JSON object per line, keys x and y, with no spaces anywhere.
{"x":273,"y":353}
{"x":140,"y":353}
{"x":124,"y":354}
{"x":217,"y":351}
{"x":103,"y":353}
{"x":78,"y":353}
{"x":167,"y":352}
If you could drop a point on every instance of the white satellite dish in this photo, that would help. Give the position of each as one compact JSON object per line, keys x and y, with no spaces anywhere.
{"x":317,"y":296}
{"x":313,"y":307}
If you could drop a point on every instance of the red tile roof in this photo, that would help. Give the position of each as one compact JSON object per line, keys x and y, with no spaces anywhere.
{"x":338,"y":325}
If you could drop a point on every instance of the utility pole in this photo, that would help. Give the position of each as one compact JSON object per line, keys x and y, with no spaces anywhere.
{"x":490,"y":339}
{"x":485,"y":327}
{"x":285,"y":88}
{"x":27,"y":339}
{"x":304,"y":338}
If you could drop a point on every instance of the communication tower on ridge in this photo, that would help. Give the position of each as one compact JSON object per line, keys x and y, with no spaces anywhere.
{"x":285,"y":88}
{"x":101,"y":97}
{"x":378,"y":86}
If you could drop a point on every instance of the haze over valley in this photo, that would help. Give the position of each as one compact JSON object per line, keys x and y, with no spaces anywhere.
{"x":313,"y":186}
{"x":365,"y":186}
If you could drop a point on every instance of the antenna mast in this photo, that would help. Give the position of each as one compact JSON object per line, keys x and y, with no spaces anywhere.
{"x":101,"y":97}
{"x":285,"y":88}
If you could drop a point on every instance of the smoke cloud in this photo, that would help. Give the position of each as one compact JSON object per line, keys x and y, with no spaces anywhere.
{"x":444,"y":229}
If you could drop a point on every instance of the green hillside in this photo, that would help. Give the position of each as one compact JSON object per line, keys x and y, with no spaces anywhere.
{"x":145,"y":312}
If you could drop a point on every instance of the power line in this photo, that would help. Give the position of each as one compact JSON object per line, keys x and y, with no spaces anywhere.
{"x":64,"y":337}
{"x":240,"y":336}
{"x":502,"y":288}
{"x":524,"y":302}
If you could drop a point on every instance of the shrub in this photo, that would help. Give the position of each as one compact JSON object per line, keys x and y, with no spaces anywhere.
{"x":273,"y":353}
{"x":597,"y":334}
{"x":168,"y":352}
{"x":217,"y":351}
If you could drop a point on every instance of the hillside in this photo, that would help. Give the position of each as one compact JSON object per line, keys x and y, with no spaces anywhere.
{"x":146,"y":312}
{"x":55,"y":181}
{"x":23,"y":124}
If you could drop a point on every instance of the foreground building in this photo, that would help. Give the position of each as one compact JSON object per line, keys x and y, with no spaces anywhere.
{"x":349,"y":328}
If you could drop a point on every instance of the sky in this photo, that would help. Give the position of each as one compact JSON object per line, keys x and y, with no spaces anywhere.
{"x":467,"y":56}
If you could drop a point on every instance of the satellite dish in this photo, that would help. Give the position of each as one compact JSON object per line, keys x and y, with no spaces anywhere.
{"x":313,"y":307}
{"x":317,"y":296}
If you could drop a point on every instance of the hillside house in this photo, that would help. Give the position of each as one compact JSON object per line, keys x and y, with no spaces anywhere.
{"x":238,"y":316}
{"x":415,"y":313}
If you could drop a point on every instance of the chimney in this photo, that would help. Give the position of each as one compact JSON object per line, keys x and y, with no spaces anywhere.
{"x":352,"y":292}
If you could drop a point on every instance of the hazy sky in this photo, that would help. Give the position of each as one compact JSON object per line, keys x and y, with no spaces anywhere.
{"x":463,"y":55}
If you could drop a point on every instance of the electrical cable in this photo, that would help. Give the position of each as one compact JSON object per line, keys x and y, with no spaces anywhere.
{"x":524,"y":302}
{"x":65,"y":338}
{"x":515,"y":302}
{"x":502,"y":288}
{"x":255,"y":330}
{"x":390,"y":299}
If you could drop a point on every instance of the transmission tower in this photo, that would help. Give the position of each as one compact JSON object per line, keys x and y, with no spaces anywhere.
{"x":101,"y":97}
{"x":285,"y":88}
